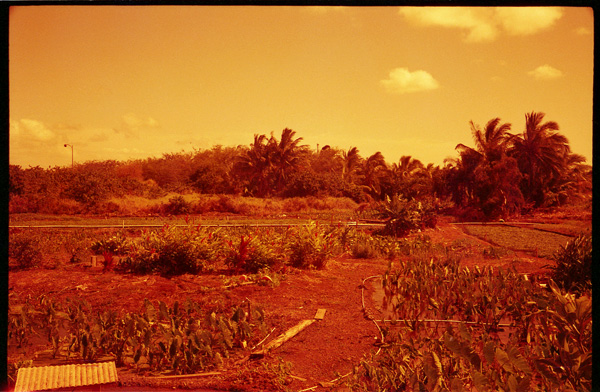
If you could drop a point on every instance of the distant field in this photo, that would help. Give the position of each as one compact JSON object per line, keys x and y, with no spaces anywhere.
{"x":540,"y":243}
{"x":66,"y":220}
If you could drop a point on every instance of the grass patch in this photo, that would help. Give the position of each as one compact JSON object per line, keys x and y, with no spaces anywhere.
{"x":540,"y":243}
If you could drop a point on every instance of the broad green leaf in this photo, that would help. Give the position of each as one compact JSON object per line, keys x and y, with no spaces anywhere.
{"x":482,"y":384}
{"x":452,"y":344}
{"x":503,"y":360}
{"x":546,"y":371}
{"x":489,"y":351}
{"x":150,"y":310}
{"x":512,"y":383}
{"x":518,"y":361}
{"x":456,"y":385}
{"x":164,"y":312}
{"x":464,"y":332}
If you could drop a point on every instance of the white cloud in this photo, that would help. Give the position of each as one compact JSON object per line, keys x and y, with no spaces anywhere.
{"x":401,"y":81}
{"x":485,"y":23}
{"x":31,"y":129}
{"x":545,"y":72}
{"x":132,"y":124}
{"x":527,"y":20}
{"x":476,"y":21}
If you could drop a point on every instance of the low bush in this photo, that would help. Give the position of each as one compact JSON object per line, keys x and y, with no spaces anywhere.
{"x":311,"y":246}
{"x":573,"y":269}
{"x":177,"y":206}
{"x":251,"y":254}
{"x":171,"y":251}
{"x":25,"y":250}
{"x":363,"y":246}
{"x":117,"y":244}
{"x":403,"y":216}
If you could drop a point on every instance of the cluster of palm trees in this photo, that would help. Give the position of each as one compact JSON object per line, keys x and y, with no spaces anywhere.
{"x":505,"y":172}
{"x":274,"y":167}
{"x":502,"y":174}
{"x":268,"y":163}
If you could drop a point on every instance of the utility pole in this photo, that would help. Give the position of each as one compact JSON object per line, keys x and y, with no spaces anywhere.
{"x":70,"y":145}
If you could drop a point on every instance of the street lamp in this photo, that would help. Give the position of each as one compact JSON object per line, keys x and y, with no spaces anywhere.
{"x":70,"y":145}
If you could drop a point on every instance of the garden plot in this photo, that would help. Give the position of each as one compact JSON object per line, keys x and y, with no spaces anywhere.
{"x":537,"y":242}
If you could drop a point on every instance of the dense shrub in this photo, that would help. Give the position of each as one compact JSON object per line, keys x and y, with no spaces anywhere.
{"x":312,"y":246}
{"x":403,"y":216}
{"x":25,"y":250}
{"x":361,"y":245}
{"x":170,"y":251}
{"x":177,"y":206}
{"x":117,"y":244}
{"x":251,"y":254}
{"x":573,"y":267}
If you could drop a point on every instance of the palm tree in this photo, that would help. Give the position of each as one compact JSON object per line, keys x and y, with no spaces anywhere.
{"x":352,"y":162}
{"x":287,"y":156}
{"x":327,"y":160}
{"x":407,"y":166}
{"x":484,"y":176}
{"x":540,"y":151}
{"x":255,"y":164}
{"x":409,"y":177}
{"x":574,"y":182}
{"x":373,"y":169}
{"x":490,"y":143}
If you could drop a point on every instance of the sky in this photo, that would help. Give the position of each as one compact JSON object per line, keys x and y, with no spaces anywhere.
{"x":132,"y":82}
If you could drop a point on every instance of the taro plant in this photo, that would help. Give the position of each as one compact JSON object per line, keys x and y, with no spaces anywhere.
{"x":459,"y":328}
{"x":181,"y":339}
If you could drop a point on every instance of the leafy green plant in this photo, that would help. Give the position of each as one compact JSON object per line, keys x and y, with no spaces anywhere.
{"x":25,"y":250}
{"x":171,"y":251}
{"x":363,"y":246}
{"x":177,"y":206}
{"x":573,"y":267}
{"x":311,"y":246}
{"x":182,"y":338}
{"x":251,"y":254}
{"x":456,"y":328}
{"x":117,"y":244}
{"x":403,"y":216}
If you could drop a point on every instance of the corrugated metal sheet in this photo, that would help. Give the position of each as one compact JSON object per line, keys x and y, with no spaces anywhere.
{"x":65,"y":376}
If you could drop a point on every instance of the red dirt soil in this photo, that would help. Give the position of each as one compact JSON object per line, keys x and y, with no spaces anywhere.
{"x":319,"y":354}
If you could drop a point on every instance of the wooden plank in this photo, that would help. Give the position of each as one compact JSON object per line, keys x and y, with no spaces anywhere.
{"x":287,"y":335}
{"x":320,"y":314}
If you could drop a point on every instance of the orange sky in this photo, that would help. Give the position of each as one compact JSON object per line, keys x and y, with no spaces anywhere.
{"x":129,"y":82}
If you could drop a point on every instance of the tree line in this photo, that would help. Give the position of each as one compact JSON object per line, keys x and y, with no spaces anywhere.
{"x":502,"y":174}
